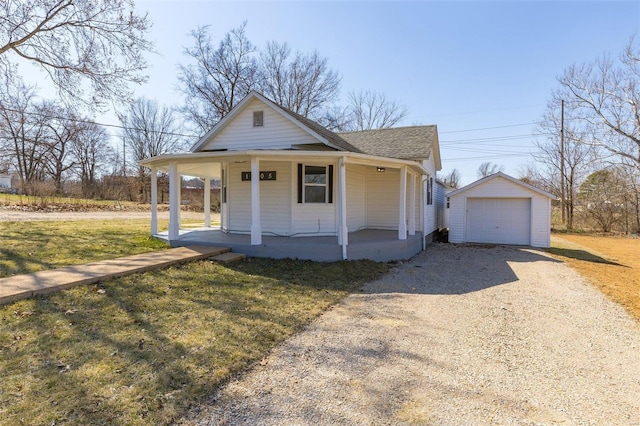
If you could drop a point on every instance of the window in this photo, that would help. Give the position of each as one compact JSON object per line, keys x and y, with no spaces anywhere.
{"x":448,"y":202}
{"x":315,"y":184}
{"x":258,"y":118}
{"x":430,"y":191}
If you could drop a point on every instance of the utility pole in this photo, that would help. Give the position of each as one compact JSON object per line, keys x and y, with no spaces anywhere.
{"x":562,"y":179}
{"x":124,"y":159}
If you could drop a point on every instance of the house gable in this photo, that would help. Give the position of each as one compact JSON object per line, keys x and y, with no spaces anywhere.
{"x":258,"y":123}
{"x":240,"y":133}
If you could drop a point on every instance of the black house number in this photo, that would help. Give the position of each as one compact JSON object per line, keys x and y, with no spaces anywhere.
{"x":263,"y":175}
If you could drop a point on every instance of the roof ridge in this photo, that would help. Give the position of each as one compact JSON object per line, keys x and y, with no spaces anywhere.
{"x":388,"y":128}
{"x":333,"y":137}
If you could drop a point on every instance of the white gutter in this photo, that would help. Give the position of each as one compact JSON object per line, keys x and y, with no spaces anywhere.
{"x":350,"y":157}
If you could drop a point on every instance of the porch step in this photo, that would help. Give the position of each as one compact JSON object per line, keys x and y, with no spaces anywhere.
{"x":228,"y":257}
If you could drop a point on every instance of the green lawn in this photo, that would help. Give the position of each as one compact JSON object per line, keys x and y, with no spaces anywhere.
{"x":143,"y":349}
{"x":34,"y":246}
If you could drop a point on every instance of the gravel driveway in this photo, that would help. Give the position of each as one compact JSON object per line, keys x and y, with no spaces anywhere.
{"x":458,"y":335}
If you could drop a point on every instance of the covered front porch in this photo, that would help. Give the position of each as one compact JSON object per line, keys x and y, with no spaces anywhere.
{"x":368,"y":208}
{"x":374,"y":244}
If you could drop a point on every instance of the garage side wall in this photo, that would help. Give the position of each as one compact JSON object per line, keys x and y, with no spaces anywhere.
{"x":501,"y":188}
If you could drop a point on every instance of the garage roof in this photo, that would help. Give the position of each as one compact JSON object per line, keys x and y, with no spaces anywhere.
{"x":505,"y":176}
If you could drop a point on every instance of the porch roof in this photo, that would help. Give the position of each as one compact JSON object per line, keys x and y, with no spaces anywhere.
{"x":207,"y":164}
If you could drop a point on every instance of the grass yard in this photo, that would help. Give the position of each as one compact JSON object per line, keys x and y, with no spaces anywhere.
{"x":143,"y":349}
{"x":34,"y":246}
{"x":611,"y":263}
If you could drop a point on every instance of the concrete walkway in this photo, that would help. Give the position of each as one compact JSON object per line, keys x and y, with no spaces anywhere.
{"x":23,"y":286}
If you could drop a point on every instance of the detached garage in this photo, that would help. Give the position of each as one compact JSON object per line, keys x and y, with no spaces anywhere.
{"x":500,"y":209}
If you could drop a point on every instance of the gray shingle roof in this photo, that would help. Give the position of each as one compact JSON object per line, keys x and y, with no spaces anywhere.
{"x":406,"y":143}
{"x":330,"y":136}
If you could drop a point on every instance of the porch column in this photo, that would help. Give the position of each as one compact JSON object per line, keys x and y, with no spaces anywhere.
{"x":154,"y":201}
{"x":402,"y":214}
{"x":256,"y":228}
{"x":207,"y":202}
{"x":412,"y":204}
{"x":343,"y":234}
{"x":174,"y":201}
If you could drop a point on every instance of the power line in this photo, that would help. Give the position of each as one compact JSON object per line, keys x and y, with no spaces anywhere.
{"x":116,"y":126}
{"x":499,"y":151}
{"x":492,"y":139}
{"x":85,"y":121}
{"x":490,"y":128}
{"x":488,"y":110}
{"x":483,"y":157}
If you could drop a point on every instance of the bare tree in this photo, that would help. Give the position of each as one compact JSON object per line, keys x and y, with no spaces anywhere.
{"x":606,"y":93}
{"x":97,"y":42}
{"x":602,"y":192}
{"x":149,"y":131}
{"x":302,"y":83}
{"x":452,"y":179}
{"x":22,"y":131}
{"x":91,"y":152}
{"x":488,"y":168}
{"x":334,"y":118}
{"x":565,"y":164}
{"x":531,"y":174}
{"x":372,"y":110}
{"x":62,"y":132}
{"x":218,"y":78}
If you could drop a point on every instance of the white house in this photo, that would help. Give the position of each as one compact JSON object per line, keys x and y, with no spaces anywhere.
{"x":500,"y":209}
{"x":291,"y":188}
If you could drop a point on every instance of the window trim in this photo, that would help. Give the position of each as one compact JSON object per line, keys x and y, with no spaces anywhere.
{"x":328,"y":185}
{"x":430,"y":191}
{"x":258,"y":118}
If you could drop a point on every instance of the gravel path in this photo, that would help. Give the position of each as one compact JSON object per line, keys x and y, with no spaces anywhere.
{"x":458,"y":335}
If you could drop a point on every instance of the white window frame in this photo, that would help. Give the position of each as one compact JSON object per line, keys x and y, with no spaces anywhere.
{"x":258,"y":118}
{"x":305,"y":184}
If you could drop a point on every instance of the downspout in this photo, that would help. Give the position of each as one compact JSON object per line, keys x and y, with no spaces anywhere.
{"x":423,"y":204}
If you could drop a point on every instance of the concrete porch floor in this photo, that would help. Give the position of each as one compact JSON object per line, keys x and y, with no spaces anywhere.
{"x":375,"y":244}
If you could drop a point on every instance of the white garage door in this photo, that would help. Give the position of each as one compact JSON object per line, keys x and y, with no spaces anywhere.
{"x":499,"y":220}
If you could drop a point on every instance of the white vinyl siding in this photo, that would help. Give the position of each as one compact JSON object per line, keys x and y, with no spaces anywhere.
{"x":457,"y":219}
{"x":238,"y":198}
{"x":440,"y":201}
{"x":383,"y":198}
{"x":356,"y":197}
{"x":313,"y":218}
{"x":539,"y":206}
{"x":429,"y":210}
{"x":275,"y":204}
{"x":277,"y":132}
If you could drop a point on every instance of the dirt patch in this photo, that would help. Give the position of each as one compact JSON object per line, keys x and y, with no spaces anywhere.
{"x":611,"y":263}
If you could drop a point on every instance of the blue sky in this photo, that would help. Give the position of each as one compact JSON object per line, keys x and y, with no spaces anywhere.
{"x":461,"y":65}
